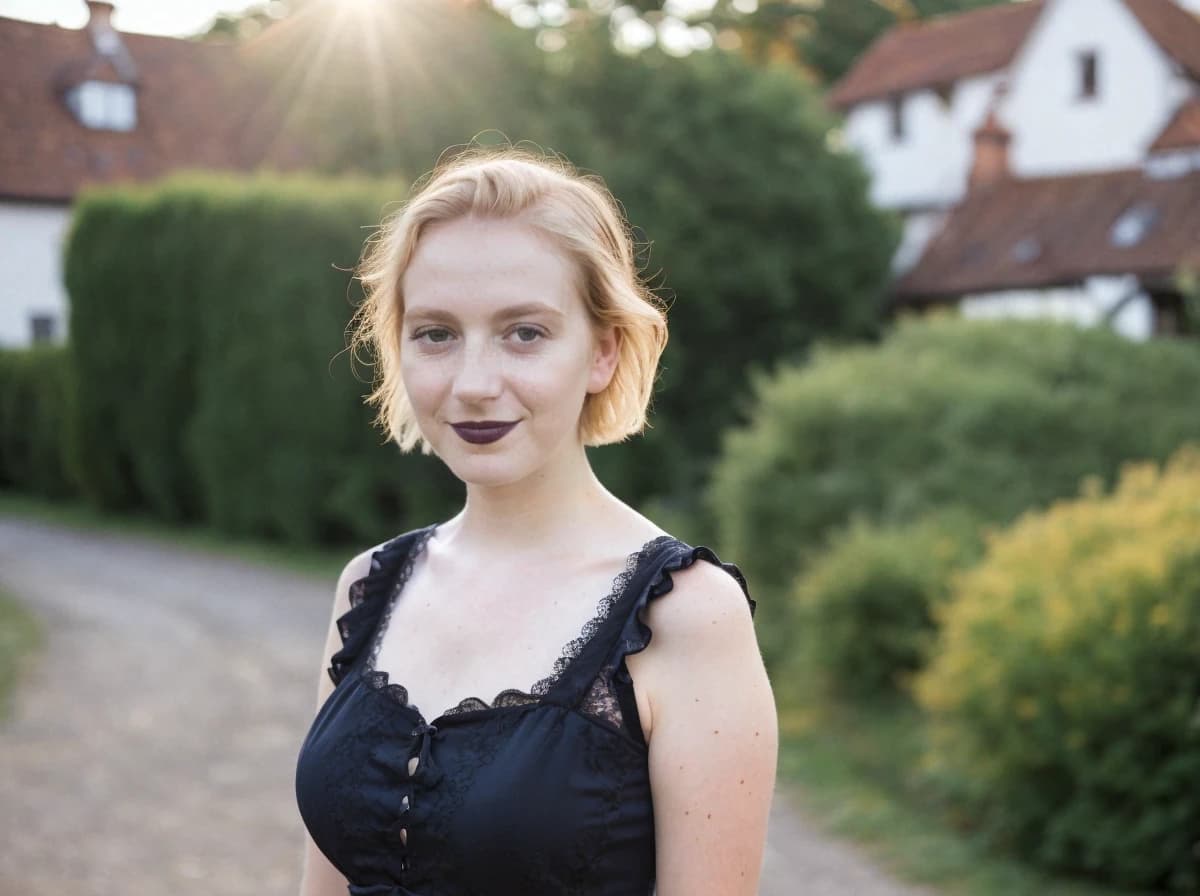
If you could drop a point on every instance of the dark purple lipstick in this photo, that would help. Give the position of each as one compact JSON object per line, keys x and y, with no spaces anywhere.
{"x":483,"y":431}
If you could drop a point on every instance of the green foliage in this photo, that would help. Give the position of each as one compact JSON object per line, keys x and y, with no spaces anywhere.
{"x":761,"y":239}
{"x":1065,"y":690}
{"x":865,"y":608}
{"x":134,"y":267}
{"x":34,"y":399}
{"x":991,"y":416}
{"x":214,"y":380}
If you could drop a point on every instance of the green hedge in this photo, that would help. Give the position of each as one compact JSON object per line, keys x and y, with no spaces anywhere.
{"x":1065,"y":687}
{"x":865,"y":608}
{"x":990,"y":416}
{"x":208,"y":318}
{"x":34,"y":403}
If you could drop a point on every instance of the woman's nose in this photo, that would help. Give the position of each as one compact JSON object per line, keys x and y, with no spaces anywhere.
{"x":478,"y":375}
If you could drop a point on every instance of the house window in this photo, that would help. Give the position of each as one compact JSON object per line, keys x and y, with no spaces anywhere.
{"x":896,"y":113}
{"x":41,"y":328}
{"x":1089,"y":75}
{"x":104,"y":106}
{"x":1133,"y":224}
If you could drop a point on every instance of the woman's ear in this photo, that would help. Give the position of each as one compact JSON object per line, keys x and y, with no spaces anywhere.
{"x":606,"y":349}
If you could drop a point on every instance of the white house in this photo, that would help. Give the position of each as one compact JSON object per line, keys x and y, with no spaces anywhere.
{"x":1007,"y":134}
{"x":89,"y":106}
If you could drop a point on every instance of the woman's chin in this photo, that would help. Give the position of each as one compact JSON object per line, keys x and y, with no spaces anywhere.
{"x":486,"y":472}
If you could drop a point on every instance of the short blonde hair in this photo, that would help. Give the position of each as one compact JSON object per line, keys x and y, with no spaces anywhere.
{"x":579,"y":214}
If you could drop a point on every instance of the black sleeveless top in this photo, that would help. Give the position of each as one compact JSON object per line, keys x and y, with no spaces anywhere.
{"x":540,"y":793}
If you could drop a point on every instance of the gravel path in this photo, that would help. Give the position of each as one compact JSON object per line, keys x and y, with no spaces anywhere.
{"x":151,"y":749}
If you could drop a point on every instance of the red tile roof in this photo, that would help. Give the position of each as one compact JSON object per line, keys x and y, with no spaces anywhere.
{"x":1058,"y":230}
{"x":938,"y":51}
{"x":197,"y":107}
{"x":944,"y":49}
{"x":1183,"y":131}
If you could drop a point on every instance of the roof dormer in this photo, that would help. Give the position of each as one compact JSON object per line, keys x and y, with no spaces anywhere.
{"x":103,"y":105}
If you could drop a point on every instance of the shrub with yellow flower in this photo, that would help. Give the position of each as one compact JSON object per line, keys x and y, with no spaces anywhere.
{"x":1064,"y":690}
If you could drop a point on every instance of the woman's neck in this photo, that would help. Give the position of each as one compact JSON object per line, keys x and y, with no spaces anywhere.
{"x":550,"y":508}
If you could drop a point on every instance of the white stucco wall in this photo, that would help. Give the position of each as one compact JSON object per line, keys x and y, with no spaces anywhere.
{"x":1085,"y":305}
{"x":929,"y":166}
{"x":31,"y":238}
{"x":919,"y":229}
{"x":1055,"y":132}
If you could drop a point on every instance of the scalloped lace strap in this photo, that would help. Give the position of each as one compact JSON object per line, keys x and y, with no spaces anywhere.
{"x":369,"y":597}
{"x":584,"y":657}
{"x":609,"y":693}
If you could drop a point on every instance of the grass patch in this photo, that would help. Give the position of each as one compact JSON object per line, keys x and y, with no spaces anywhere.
{"x":21,"y":636}
{"x":318,"y":562}
{"x":855,"y":775}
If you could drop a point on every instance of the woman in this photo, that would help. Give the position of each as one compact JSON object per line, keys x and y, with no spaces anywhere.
{"x":504,"y":305}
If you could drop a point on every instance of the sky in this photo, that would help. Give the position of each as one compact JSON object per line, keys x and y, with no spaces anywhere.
{"x":178,"y":18}
{"x":183,"y":18}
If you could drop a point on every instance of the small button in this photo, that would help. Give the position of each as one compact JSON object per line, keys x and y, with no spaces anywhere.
{"x":404,"y":836}
{"x":404,"y":863}
{"x":412,"y":764}
{"x":404,"y":803}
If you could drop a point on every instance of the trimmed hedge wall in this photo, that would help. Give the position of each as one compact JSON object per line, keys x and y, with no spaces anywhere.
{"x":207,"y":318}
{"x":34,"y":404}
{"x":991,"y":416}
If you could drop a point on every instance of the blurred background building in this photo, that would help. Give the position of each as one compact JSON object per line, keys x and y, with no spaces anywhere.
{"x":1045,"y":156}
{"x":96,"y":106}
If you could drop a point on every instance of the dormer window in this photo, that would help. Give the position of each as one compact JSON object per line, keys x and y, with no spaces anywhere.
{"x":1133,"y":224}
{"x":104,"y":106}
{"x":1089,"y":75}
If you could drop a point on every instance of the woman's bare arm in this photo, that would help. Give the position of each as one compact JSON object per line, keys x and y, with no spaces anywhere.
{"x":319,"y":877}
{"x":714,"y":737}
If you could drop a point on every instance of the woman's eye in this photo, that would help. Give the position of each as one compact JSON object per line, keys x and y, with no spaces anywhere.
{"x":430,"y":332}
{"x":529,"y":334}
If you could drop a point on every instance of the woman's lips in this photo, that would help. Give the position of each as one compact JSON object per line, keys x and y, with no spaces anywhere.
{"x":481,"y":435}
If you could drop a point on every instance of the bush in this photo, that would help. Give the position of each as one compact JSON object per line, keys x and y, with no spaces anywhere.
{"x":34,"y":397}
{"x":1064,"y":692}
{"x":991,"y":416}
{"x":865,"y":608}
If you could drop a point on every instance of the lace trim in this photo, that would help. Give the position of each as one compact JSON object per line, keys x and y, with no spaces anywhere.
{"x":612,"y":689}
{"x":509,"y":696}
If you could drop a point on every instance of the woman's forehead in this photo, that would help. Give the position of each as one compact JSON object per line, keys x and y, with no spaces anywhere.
{"x":473,"y":265}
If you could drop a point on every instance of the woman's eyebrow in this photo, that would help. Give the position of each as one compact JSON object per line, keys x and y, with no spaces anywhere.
{"x":512,"y":311}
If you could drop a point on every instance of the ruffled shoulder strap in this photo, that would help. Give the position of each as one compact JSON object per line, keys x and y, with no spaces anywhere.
{"x":608,"y":693}
{"x":635,"y":633}
{"x":390,"y":566}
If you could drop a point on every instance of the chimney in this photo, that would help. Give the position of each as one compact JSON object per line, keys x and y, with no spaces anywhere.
{"x":99,"y":15}
{"x":991,"y":153}
{"x":107,"y":41}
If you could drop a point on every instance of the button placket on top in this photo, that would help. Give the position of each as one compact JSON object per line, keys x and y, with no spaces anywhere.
{"x":420,"y":767}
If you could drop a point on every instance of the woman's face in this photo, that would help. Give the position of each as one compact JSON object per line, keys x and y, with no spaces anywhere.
{"x":494,"y":330}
